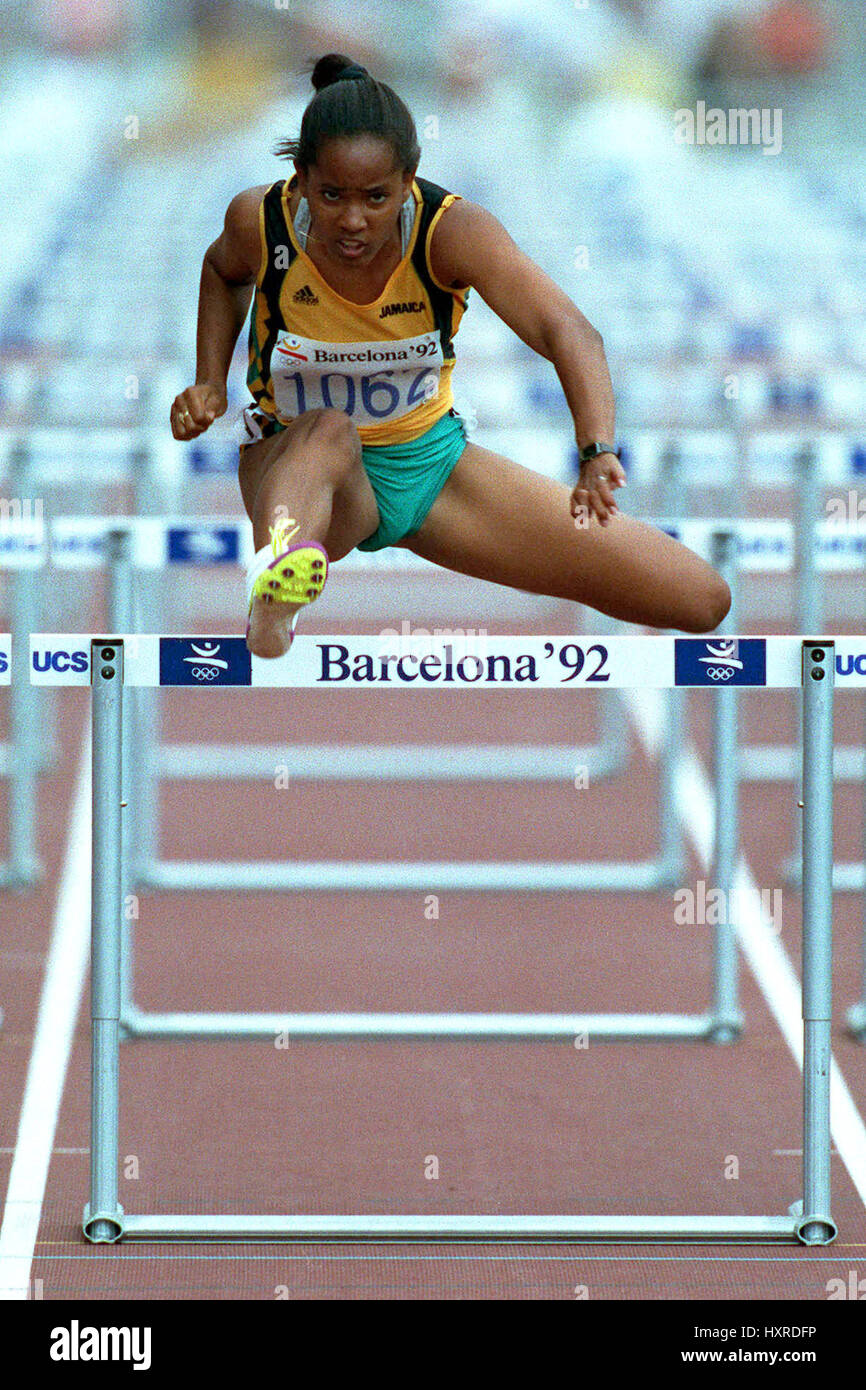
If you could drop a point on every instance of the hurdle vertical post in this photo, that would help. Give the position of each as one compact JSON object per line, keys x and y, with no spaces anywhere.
{"x":818,"y":685}
{"x":808,"y":474}
{"x":856,"y":1015}
{"x":24,"y":867}
{"x":727,"y":827}
{"x":121,"y":618}
{"x":103,"y":1213}
{"x":148,"y":597}
{"x":671,"y":851}
{"x":809,"y":605}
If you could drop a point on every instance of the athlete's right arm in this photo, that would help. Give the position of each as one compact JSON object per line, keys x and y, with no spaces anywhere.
{"x":228,"y":276}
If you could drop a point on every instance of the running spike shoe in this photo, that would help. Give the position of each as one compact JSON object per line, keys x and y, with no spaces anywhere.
{"x":295,"y":575}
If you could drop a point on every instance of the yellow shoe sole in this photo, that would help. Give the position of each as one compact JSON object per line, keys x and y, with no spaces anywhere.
{"x":296,"y":576}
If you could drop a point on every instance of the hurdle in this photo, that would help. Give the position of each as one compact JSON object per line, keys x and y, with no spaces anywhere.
{"x":128,"y":545}
{"x":814,"y":539}
{"x":658,"y":662}
{"x":32,"y":458}
{"x":819,"y":547}
{"x":823,"y":547}
{"x":722,"y":1023}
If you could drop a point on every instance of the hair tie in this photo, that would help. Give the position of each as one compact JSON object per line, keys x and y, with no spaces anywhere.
{"x":354,"y":70}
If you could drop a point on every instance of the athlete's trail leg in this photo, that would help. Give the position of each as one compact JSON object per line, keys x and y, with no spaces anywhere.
{"x":497,"y":520}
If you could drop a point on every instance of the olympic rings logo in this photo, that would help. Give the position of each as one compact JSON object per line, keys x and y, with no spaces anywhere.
{"x":204,"y":673}
{"x":719,"y":673}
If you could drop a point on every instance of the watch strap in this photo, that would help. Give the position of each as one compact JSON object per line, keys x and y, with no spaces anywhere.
{"x":592,"y":451}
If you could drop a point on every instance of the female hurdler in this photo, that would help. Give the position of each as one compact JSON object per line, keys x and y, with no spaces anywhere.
{"x":359,"y":274}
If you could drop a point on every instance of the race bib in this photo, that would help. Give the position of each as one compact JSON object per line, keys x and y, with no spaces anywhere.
{"x":370,"y":382}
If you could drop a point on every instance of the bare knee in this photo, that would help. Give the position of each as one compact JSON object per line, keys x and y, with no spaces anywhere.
{"x":709,"y":605}
{"x":336,"y":442}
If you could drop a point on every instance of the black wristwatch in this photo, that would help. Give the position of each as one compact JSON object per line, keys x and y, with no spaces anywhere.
{"x":592,"y":451}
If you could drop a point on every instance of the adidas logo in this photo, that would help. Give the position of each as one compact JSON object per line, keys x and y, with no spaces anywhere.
{"x":305,"y":296}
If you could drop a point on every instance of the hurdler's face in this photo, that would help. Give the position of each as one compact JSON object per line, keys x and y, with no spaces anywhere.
{"x":355,"y":194}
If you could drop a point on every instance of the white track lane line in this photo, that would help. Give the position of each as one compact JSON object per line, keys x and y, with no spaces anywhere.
{"x":62,"y":989}
{"x":760,"y":944}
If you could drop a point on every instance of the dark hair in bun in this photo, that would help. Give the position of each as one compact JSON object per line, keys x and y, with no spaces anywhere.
{"x":335,"y":68}
{"x":348,"y":102}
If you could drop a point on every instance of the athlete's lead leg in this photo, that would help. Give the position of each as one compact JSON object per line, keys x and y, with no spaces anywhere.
{"x":309,"y":479}
{"x":312,"y":471}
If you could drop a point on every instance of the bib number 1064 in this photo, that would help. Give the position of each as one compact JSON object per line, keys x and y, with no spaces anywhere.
{"x":378,"y":396}
{"x":369,"y":382}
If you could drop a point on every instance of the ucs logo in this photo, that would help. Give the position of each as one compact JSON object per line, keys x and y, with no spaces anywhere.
{"x":4,"y":662}
{"x":204,"y":661}
{"x":61,"y":661}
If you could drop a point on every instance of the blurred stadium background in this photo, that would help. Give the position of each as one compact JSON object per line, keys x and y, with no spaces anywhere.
{"x":728,"y":282}
{"x":128,"y":125}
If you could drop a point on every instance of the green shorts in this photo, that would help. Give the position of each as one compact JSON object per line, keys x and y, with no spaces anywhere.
{"x":407,"y":478}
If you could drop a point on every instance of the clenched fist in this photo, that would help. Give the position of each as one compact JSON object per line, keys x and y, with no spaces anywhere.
{"x":196,"y":408}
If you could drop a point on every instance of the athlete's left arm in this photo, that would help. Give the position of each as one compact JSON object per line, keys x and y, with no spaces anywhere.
{"x":470,"y":247}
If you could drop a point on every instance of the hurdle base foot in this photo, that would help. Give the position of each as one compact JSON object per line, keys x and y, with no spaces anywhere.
{"x":856,"y":1021}
{"x":22,"y":876}
{"x":726,"y":1029}
{"x":103,"y":1227}
{"x":670,"y":870}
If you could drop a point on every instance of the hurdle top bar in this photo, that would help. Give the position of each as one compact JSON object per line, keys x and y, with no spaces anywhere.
{"x":456,"y":661}
{"x":760,"y":546}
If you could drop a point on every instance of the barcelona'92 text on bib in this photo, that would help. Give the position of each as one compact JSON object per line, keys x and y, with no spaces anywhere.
{"x":371,"y":382}
{"x":386,"y":364}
